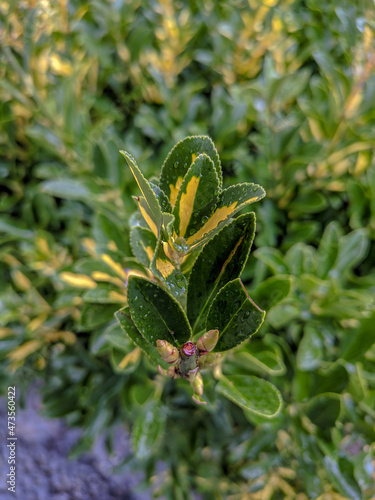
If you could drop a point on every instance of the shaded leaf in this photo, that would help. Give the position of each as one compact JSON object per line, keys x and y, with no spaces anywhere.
{"x":261,"y":357}
{"x":148,"y":429}
{"x":327,"y":252}
{"x":235,"y":315}
{"x":93,"y":315}
{"x":323,"y":410}
{"x":352,"y":249}
{"x":341,"y":473}
{"x":310,"y":349}
{"x":124,"y":318}
{"x":362,"y":339}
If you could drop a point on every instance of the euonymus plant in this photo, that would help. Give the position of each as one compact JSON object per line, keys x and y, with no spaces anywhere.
{"x":190,"y":305}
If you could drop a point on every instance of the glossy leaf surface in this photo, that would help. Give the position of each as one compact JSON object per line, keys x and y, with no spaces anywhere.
{"x":197,"y":197}
{"x":221,"y":260}
{"x":179,"y":161}
{"x":157,"y":315}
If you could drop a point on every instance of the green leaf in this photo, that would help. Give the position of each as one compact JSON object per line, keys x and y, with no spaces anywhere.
{"x":310,"y":349}
{"x":70,"y":189}
{"x":15,"y":228}
{"x":300,"y":258}
{"x":221,"y":260}
{"x":362,"y":339}
{"x":341,"y":474}
{"x":352,"y":250}
{"x":309,"y":201}
{"x":105,"y":230}
{"x":284,"y":312}
{"x":323,"y":410}
{"x":179,"y":161}
{"x":104,"y":294}
{"x":333,"y":379}
{"x":157,"y":315}
{"x":143,"y":243}
{"x":327,"y":252}
{"x":272,"y":291}
{"x":261,"y":357}
{"x":154,"y":211}
{"x":273,"y":258}
{"x":114,"y":334}
{"x":235,"y":315}
{"x":197,"y":197}
{"x":252,"y":393}
{"x":93,"y":315}
{"x":124,"y":318}
{"x":148,"y":429}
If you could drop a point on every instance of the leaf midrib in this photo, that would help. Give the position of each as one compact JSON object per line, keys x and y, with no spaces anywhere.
{"x":216,"y":282}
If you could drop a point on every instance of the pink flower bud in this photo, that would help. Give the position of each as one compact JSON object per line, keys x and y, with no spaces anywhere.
{"x":189,"y":349}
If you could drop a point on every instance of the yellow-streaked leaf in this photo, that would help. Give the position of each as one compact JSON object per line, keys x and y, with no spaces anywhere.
{"x":100,"y":276}
{"x":21,"y":352}
{"x":77,"y":280}
{"x":180,"y":159}
{"x":20,"y":280}
{"x":165,"y":267}
{"x":219,"y":215}
{"x":154,"y":211}
{"x":197,"y":197}
{"x":187,"y":204}
{"x":117,"y":297}
{"x":114,"y":265}
{"x":5,"y":332}
{"x":60,"y":67}
{"x":35,"y":323}
{"x":145,"y":211}
{"x":231,"y":200}
{"x":62,"y":335}
{"x":130,"y":358}
{"x":174,"y":189}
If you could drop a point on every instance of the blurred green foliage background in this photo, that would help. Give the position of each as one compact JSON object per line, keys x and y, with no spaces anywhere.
{"x":286,"y":90}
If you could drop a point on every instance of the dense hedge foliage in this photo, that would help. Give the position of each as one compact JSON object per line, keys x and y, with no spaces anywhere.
{"x":286,"y":91}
